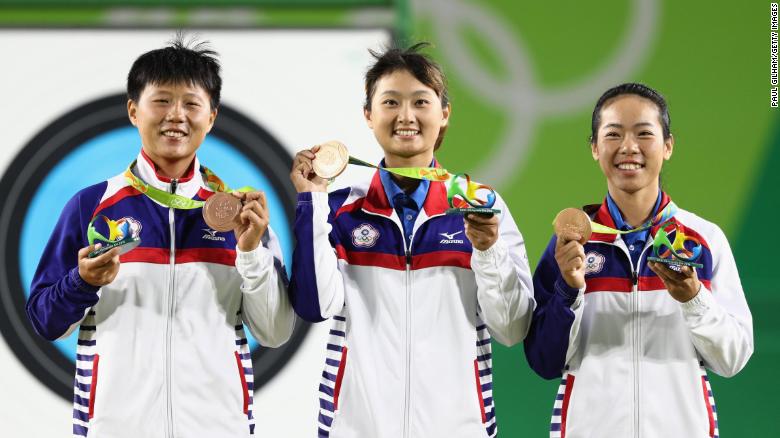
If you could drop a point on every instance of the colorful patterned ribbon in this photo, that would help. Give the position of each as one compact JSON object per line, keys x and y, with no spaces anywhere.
{"x":458,"y":196}
{"x":661,"y":217}
{"x":177,"y":201}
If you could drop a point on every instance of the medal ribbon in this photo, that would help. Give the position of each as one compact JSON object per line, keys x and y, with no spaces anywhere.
{"x":457,"y":197}
{"x":177,"y":201}
{"x":661,"y":217}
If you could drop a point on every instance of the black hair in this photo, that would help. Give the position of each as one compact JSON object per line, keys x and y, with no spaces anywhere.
{"x":640,"y":90}
{"x":410,"y":59}
{"x":181,"y":62}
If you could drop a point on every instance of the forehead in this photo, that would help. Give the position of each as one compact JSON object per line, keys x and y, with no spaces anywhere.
{"x":177,"y":88}
{"x":402,"y":81}
{"x":629,"y":109}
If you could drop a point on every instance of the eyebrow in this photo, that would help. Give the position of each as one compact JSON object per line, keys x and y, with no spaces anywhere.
{"x":398,"y":93}
{"x":637,"y":125}
{"x":167,"y":92}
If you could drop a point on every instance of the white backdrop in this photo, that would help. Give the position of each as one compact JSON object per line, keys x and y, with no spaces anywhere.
{"x":303,"y":86}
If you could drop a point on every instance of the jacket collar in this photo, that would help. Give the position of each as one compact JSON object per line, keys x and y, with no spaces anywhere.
{"x":188,"y":186}
{"x":376,"y":199}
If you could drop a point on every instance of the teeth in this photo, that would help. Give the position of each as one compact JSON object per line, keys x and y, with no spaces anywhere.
{"x":629,"y":166}
{"x":406,"y":132}
{"x":175,"y":134}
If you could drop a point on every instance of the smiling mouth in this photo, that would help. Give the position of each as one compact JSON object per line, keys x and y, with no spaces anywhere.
{"x":630,"y":166}
{"x":174,"y":134}
{"x":406,"y":132}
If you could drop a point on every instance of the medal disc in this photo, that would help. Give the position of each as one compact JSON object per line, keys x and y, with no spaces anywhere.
{"x":221,"y":212}
{"x":573,"y":220}
{"x":330,"y":160}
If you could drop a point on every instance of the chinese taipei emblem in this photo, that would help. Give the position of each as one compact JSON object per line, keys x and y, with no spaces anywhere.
{"x":364,"y":236}
{"x":594,"y":262}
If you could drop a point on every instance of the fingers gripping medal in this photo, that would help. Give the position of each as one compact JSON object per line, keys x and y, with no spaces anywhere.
{"x":573,"y":220}
{"x":222,"y":212}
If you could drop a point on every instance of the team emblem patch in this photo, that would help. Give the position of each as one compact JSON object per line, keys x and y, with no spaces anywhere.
{"x":594,"y":262}
{"x":364,"y":236}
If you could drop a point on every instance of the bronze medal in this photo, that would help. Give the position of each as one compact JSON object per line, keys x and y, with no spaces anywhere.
{"x":222,"y":212}
{"x":330,"y":160}
{"x":573,"y":220}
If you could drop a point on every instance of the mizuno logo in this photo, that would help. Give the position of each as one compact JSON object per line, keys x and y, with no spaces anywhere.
{"x":212,"y":235}
{"x":449,"y":238}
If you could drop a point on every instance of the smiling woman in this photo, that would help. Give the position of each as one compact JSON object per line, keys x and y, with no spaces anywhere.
{"x":662,"y":326}
{"x":414,"y":294}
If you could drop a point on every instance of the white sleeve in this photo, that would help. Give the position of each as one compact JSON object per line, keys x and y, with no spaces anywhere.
{"x":265,"y":304}
{"x":719,"y":320}
{"x":504,"y":285}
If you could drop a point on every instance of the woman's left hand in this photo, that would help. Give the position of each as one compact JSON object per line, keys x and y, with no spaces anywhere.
{"x":254,"y":220}
{"x":481,"y":230}
{"x":682,"y":286}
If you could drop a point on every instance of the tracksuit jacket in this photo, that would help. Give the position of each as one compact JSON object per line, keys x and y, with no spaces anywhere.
{"x":409,"y":352}
{"x":161,"y":349}
{"x":633,"y":360}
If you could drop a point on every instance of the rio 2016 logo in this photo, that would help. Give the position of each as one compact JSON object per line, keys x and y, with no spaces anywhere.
{"x":83,"y":147}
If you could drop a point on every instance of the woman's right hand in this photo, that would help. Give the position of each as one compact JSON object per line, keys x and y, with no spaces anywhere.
{"x":302,"y":175}
{"x":570,"y":255}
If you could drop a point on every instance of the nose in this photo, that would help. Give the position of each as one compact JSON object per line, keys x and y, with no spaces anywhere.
{"x":175,"y":112}
{"x":406,"y":114}
{"x":630,"y":145}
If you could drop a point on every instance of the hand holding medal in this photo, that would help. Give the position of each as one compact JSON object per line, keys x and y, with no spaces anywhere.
{"x":572,"y":222}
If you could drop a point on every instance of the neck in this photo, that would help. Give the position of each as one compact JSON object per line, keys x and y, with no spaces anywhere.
{"x":173,"y":169}
{"x":407,"y":184}
{"x":636,"y":207}
{"x":420,"y":160}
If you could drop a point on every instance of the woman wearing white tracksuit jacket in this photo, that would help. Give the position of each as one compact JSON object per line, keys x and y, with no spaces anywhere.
{"x":633,"y":339}
{"x":414,"y":294}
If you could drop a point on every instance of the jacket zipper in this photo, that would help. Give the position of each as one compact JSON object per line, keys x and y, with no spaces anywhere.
{"x":408,"y":384}
{"x":169,"y":319}
{"x":408,"y":334}
{"x":636,"y":337}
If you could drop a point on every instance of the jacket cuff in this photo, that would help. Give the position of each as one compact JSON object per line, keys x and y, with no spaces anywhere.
{"x":496,"y":252}
{"x":258,"y":256}
{"x":698,"y":305}
{"x":307,"y":197}
{"x":79,"y":283}
{"x":568,"y":293}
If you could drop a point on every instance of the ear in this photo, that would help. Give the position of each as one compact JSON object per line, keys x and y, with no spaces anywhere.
{"x":132,"y":107}
{"x":668,"y":147}
{"x":367,"y":115}
{"x":212,"y":118}
{"x":594,"y":150}
{"x":445,"y":115}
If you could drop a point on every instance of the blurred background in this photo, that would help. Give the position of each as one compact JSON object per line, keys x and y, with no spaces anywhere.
{"x":523,"y":81}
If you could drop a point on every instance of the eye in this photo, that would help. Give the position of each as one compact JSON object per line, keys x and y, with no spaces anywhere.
{"x":612,"y":134}
{"x":195,"y":104}
{"x":646,"y":133}
{"x":390,"y":102}
{"x":421,"y":102}
{"x":161,"y":100}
